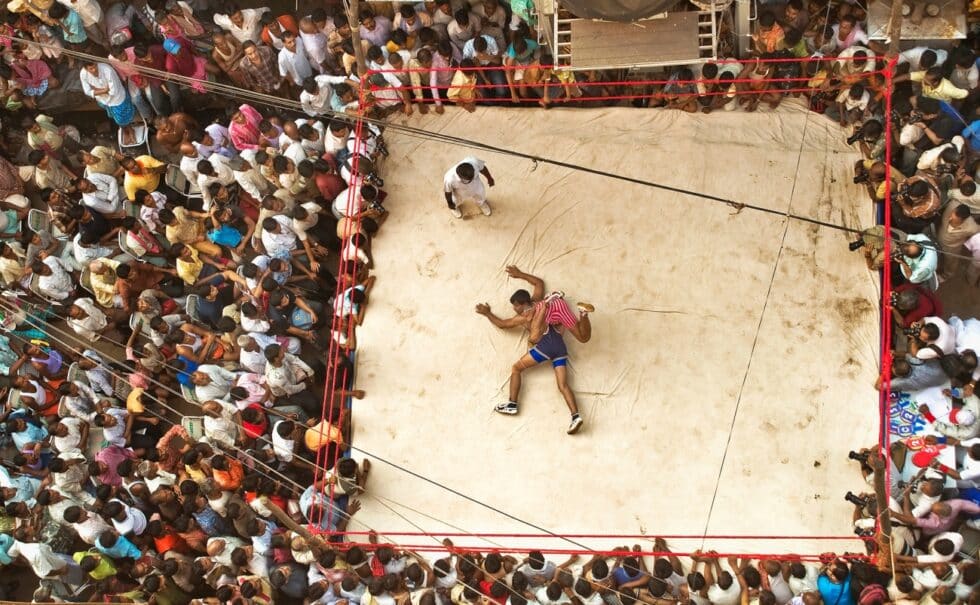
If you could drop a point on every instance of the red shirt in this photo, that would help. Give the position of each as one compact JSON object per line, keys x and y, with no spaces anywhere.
{"x":156,"y":58}
{"x":485,"y":589}
{"x":258,"y":429}
{"x":929,"y":304}
{"x":170,"y":541}
{"x":330,"y":185}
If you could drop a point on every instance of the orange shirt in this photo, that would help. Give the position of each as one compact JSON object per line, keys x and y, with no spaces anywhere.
{"x":231,"y":479}
{"x":287,"y":22}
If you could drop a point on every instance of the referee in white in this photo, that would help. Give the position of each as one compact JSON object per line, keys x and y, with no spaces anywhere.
{"x":463,"y":184}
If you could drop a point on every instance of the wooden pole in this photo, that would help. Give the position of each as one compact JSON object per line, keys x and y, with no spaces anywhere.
{"x":884,"y":537}
{"x":354,"y":19}
{"x":895,"y":27}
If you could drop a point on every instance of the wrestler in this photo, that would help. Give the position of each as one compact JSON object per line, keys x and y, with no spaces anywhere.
{"x":545,"y":317}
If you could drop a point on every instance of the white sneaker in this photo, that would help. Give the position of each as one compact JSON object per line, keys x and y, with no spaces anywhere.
{"x":457,"y":213}
{"x":485,"y":209}
{"x":575,"y":425}
{"x":509,"y":408}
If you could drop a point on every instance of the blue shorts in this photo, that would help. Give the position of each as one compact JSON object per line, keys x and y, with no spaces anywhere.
{"x":550,"y":347}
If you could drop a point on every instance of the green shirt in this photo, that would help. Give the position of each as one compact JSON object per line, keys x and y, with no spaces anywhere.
{"x":103,"y":570}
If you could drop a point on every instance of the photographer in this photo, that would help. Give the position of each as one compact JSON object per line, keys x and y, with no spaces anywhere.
{"x":872,"y":175}
{"x":943,"y":159}
{"x":935,"y":339}
{"x":912,"y":303}
{"x":871,"y":140}
{"x":916,"y":260}
{"x":910,"y":374}
{"x":923,"y":127}
{"x":955,"y":228}
{"x":916,"y":202}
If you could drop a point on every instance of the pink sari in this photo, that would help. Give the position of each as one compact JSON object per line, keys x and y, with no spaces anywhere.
{"x":247,"y":135}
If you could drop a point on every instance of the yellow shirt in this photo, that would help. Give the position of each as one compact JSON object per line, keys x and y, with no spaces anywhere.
{"x":320,"y":435}
{"x":104,"y":285}
{"x":185,"y":230}
{"x":190,"y":270}
{"x":463,"y":87}
{"x":944,"y":91}
{"x":147,"y":180}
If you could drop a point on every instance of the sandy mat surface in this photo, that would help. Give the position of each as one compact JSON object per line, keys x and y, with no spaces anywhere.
{"x":681,"y":287}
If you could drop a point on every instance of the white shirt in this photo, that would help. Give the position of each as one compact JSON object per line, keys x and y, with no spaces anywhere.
{"x":253,"y":361}
{"x":106,"y":77}
{"x":58,"y":285}
{"x":90,"y":529}
{"x":288,"y":378}
{"x":40,"y":557}
{"x":969,"y":468}
{"x":935,"y":557}
{"x":852,"y":104}
{"x":780,"y":589}
{"x":251,"y":28}
{"x":90,"y":327}
{"x":188,"y":165}
{"x":134,"y":523}
{"x":473,"y":191}
{"x":946,"y":341}
{"x":73,"y":440}
{"x":221,"y":382}
{"x":913,"y":56}
{"x":222,"y":174}
{"x":316,"y":48}
{"x":282,"y":243}
{"x":116,"y":435}
{"x":719,"y":596}
{"x":105,"y":198}
{"x":930,"y":160}
{"x":88,"y":10}
{"x":295,"y":65}
{"x":282,"y":447}
{"x":319,"y":103}
{"x":251,"y":181}
{"x":223,"y":428}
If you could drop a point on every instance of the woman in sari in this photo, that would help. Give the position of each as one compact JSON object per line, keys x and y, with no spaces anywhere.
{"x":33,"y":77}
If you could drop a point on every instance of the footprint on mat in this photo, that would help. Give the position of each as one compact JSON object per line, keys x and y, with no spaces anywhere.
{"x":431,"y":267}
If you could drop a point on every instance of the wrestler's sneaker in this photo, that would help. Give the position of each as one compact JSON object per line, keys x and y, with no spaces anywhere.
{"x":457,"y":213}
{"x":585,"y":307}
{"x":554,"y":295}
{"x":575,"y":425}
{"x":509,"y":408}
{"x":485,"y":209}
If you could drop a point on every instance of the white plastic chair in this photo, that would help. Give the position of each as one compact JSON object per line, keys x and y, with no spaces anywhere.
{"x":192,"y":302}
{"x":36,"y":290}
{"x":38,"y":220}
{"x":194,"y":425}
{"x":76,"y":373}
{"x":85,"y":281}
{"x":141,"y":134}
{"x":175,"y":179}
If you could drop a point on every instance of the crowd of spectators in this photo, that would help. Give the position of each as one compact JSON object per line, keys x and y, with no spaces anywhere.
{"x":168,"y":297}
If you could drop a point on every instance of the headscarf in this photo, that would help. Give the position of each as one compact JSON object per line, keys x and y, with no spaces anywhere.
{"x":49,"y":139}
{"x":30,"y":73}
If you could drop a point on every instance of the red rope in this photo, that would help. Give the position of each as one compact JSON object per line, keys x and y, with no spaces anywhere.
{"x":334,"y":351}
{"x":607,"y":553}
{"x":884,"y":399}
{"x":599,"y":536}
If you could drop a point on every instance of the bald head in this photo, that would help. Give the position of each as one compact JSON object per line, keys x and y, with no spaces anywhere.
{"x":188,"y":150}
